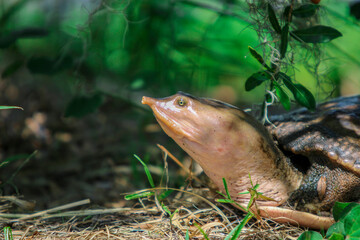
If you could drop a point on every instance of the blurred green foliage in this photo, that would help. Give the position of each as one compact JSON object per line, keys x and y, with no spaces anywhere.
{"x":123,"y":48}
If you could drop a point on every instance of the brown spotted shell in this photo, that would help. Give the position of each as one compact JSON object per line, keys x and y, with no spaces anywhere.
{"x":332,"y":130}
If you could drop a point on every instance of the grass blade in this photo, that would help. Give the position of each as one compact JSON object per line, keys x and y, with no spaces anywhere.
{"x":8,"y":233}
{"x":234,"y":234}
{"x":226,"y":189}
{"x":187,"y":237}
{"x":202,"y":231}
{"x":138,"y":195}
{"x":147,"y":171}
{"x":10,"y":107}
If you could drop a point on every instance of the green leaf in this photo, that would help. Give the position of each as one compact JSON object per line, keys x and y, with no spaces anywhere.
{"x":288,"y":14}
{"x":11,"y":69}
{"x":147,"y":171}
{"x":224,"y":200}
{"x":340,"y":209}
{"x":166,"y":209}
{"x":336,"y":236}
{"x":336,"y":228}
{"x":273,"y":20}
{"x":251,"y":183}
{"x":256,"y":79}
{"x":258,"y":57}
{"x":251,"y":201}
{"x":220,"y":193}
{"x":306,"y":10}
{"x":310,"y":235}
{"x":303,"y":96}
{"x":139,"y":195}
{"x":284,"y":40}
{"x":352,"y":222}
{"x":10,"y":107}
{"x":176,"y":211}
{"x":355,"y":235}
{"x":283,"y":97}
{"x":246,"y":192}
{"x":316,"y":34}
{"x":82,"y":105}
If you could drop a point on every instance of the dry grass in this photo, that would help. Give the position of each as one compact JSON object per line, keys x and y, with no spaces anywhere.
{"x":144,"y":221}
{"x":147,"y":219}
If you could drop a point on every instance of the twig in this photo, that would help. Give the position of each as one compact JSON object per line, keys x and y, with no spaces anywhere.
{"x":88,"y":212}
{"x":97,"y":212}
{"x":107,"y":232}
{"x":66,"y":206}
{"x":13,"y":215}
{"x":178,"y":162}
{"x":26,"y":231}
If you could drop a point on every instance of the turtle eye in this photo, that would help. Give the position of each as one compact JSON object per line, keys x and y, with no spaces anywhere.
{"x":181,"y":102}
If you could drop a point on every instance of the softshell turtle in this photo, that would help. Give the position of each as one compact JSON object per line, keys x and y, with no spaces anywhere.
{"x":304,"y":160}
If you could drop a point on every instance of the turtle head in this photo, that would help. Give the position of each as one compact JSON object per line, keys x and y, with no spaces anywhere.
{"x":206,"y":129}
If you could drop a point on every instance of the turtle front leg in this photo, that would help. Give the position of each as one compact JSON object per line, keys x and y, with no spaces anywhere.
{"x":323,"y":186}
{"x":297,"y":218}
{"x":310,"y":195}
{"x":293,"y":217}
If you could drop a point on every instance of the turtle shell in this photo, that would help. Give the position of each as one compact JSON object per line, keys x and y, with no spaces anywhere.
{"x":332,"y":130}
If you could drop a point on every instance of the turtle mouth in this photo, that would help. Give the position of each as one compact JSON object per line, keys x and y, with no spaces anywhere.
{"x":169,"y":122}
